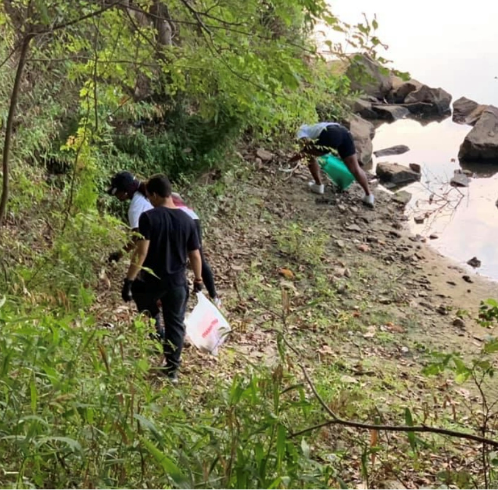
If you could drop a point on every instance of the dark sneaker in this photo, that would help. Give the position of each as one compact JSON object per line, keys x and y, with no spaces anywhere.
{"x":172,"y":376}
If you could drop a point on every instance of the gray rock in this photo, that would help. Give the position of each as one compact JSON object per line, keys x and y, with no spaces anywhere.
{"x":462,"y":108}
{"x":364,"y":109}
{"x":416,"y":167}
{"x":434,"y":236}
{"x":363,"y":132}
{"x":390,"y":112}
{"x":474,"y":262}
{"x":265,"y":155}
{"x":467,"y":279}
{"x":396,"y":173}
{"x":402,"y":197}
{"x":402,"y":90}
{"x":475,"y":115}
{"x":419,"y":220}
{"x":437,"y":101}
{"x":482,"y":141}
{"x":339,"y":243}
{"x":459,"y":179}
{"x":369,"y":76}
{"x":353,"y":228}
{"x":393,"y":150}
{"x":458,"y":322}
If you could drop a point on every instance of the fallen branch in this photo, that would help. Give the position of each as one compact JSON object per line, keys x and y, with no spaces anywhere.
{"x":392,"y":428}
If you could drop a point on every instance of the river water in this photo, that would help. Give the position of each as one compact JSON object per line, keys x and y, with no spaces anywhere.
{"x":457,"y":49}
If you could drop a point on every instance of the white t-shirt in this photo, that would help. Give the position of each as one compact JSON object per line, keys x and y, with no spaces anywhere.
{"x":312,"y":131}
{"x":139,"y":204}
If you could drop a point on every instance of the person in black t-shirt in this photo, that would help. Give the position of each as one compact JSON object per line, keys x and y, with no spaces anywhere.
{"x":158,"y":267}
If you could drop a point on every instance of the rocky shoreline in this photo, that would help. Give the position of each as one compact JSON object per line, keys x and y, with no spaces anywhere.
{"x":385,"y":97}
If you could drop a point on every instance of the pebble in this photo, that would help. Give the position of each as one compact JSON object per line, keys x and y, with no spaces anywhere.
{"x":467,"y":279}
{"x":458,"y":322}
{"x":339,"y":243}
{"x":353,"y":228}
{"x":363,"y":248}
{"x":433,"y":236}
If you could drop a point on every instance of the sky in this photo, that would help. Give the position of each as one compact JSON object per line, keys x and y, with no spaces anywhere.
{"x":455,"y":47}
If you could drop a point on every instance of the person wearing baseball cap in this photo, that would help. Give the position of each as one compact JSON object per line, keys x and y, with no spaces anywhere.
{"x":124,"y":186}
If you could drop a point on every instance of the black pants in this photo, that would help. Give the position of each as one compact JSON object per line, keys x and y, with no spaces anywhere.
{"x":207,"y":273}
{"x":174,"y":303}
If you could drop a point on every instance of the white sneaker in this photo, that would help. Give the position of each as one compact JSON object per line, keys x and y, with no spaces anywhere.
{"x":316,"y":188}
{"x":368,"y":200}
{"x":217,"y":302}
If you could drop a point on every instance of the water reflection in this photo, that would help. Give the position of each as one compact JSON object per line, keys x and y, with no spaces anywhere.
{"x":465,"y":219}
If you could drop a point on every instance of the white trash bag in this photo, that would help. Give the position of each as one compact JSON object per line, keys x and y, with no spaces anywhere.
{"x":207,"y":328}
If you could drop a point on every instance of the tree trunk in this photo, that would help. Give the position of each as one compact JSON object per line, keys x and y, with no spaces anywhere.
{"x":8,"y":129}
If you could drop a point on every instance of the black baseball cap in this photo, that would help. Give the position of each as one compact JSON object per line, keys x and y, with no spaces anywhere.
{"x":122,"y":181}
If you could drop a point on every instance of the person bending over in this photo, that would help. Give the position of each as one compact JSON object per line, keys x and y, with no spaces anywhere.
{"x":321,"y":138}
{"x":125,"y":187}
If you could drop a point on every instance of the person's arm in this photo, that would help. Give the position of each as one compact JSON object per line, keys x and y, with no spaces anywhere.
{"x":196,"y":264}
{"x":297,"y":157}
{"x":138,"y":259}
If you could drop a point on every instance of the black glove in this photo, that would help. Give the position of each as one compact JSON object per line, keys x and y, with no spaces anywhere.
{"x":114,"y":257}
{"x":126,"y":291}
{"x":197,"y":285}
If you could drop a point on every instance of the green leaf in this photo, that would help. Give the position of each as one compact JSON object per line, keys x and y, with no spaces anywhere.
{"x":71,"y":443}
{"x":169,"y":467}
{"x":411,"y":435}
{"x":375,"y":24}
{"x":491,"y":346}
{"x":305,"y":448}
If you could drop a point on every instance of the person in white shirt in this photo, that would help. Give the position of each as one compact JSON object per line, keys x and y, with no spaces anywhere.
{"x":124,"y":186}
{"x":321,"y":138}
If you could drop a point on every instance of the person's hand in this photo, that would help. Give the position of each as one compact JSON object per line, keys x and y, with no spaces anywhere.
{"x":197,"y":285}
{"x":114,"y":257}
{"x":126,"y":293}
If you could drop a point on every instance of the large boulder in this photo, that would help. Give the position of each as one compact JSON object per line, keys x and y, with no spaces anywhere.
{"x":481,"y":144}
{"x":402,"y":89}
{"x":462,"y":108}
{"x":396,"y":174}
{"x":428,"y":101}
{"x":466,"y":111}
{"x":363,"y":132}
{"x":390,"y":112}
{"x":364,"y":109}
{"x":369,"y":76}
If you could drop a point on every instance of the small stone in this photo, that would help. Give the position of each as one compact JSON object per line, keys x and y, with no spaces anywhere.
{"x":354,"y":209}
{"x":265,"y":155}
{"x":342,"y":208}
{"x":402,"y":197}
{"x":339,"y":243}
{"x":451,"y":283}
{"x":415,"y":167}
{"x":433,"y":236}
{"x":474,"y":262}
{"x":353,"y":227}
{"x":348,"y":379}
{"x":405,"y":350}
{"x":460,"y":180}
{"x":258,"y":162}
{"x":339,"y":272}
{"x":442,"y":310}
{"x":467,"y":279}
{"x":363,"y":248}
{"x":372,"y":239}
{"x":347,"y":272}
{"x":395,"y":234}
{"x":419,"y":220}
{"x":458,"y":322}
